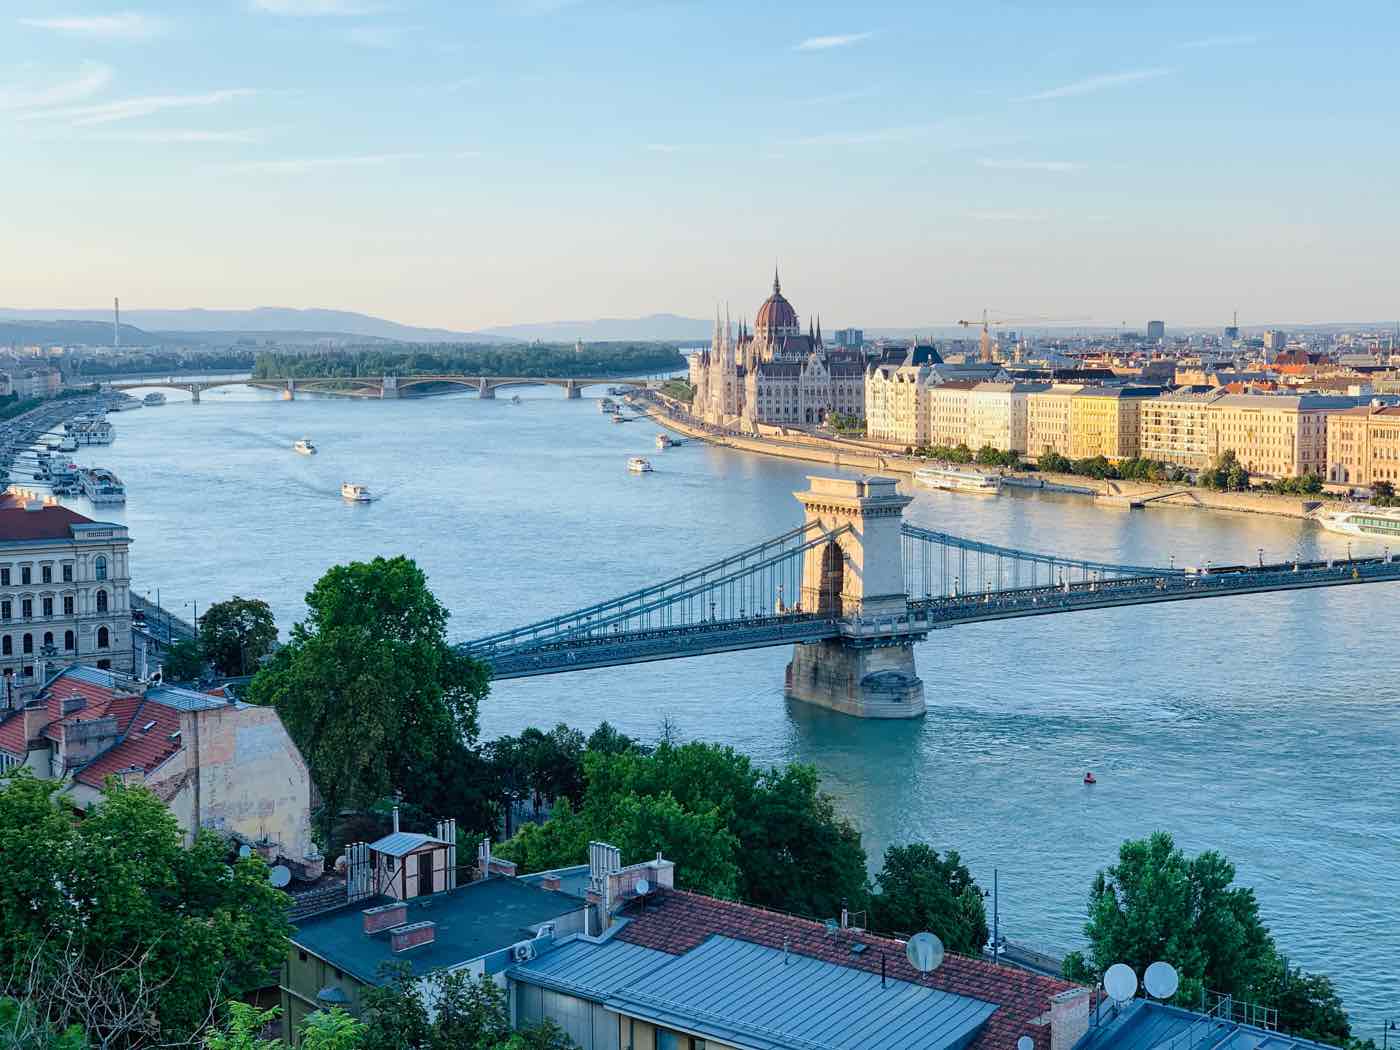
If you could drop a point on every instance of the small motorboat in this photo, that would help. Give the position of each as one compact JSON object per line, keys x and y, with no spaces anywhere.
{"x":664,"y":440}
{"x":639,"y":465}
{"x":304,"y":446}
{"x":355,"y":493}
{"x":1089,"y":778}
{"x":515,"y":400}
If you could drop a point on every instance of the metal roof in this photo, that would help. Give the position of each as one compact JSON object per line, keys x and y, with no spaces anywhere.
{"x":1144,"y":1025}
{"x":749,"y":995}
{"x":402,"y":843}
{"x":589,"y":969}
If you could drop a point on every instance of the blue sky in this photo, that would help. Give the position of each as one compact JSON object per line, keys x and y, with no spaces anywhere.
{"x":493,"y":161}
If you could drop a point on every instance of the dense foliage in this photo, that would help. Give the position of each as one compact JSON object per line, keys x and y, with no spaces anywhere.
{"x":114,"y":924}
{"x":182,"y":661}
{"x":167,"y":362}
{"x":1157,"y":903}
{"x":234,"y":635}
{"x":1102,"y":468}
{"x":375,"y":697}
{"x":919,"y":890}
{"x":549,"y":359}
{"x":1225,"y":474}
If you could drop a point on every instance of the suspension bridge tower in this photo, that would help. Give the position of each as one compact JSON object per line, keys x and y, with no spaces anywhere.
{"x":859,"y":576}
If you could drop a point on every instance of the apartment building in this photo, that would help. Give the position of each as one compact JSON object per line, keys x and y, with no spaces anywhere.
{"x":997,"y":415}
{"x":1278,"y":436}
{"x":896,"y":403}
{"x":1176,"y":428}
{"x":948,"y":412}
{"x":1105,"y":421}
{"x":1047,"y":419}
{"x":1363,"y":445}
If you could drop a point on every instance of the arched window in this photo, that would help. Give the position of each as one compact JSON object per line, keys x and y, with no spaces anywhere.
{"x":68,"y":641}
{"x":48,"y":638}
{"x":7,"y":646}
{"x":67,"y":605}
{"x":101,"y":601}
{"x":28,"y":646}
{"x":99,"y":568}
{"x":104,"y":639}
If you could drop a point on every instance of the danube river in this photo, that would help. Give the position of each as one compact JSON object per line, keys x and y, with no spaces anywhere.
{"x":1266,"y":727}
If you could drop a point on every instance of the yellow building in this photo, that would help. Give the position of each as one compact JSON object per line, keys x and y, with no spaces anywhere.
{"x":1176,"y":428}
{"x":997,"y":415}
{"x":896,"y":403}
{"x":1047,"y":419}
{"x":1104,"y":421}
{"x":1363,"y":445}
{"x":1278,"y":436}
{"x":949,"y":412}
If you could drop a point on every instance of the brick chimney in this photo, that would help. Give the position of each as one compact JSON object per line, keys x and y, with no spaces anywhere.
{"x":36,"y":717}
{"x":402,"y":938}
{"x":1069,"y":1018}
{"x":384,"y":917}
{"x":550,"y":882}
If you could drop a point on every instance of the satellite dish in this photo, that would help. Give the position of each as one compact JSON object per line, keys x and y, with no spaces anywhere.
{"x":280,"y":876}
{"x":245,"y":850}
{"x":1025,"y":1043}
{"x":1161,"y":980}
{"x":925,"y":952}
{"x":642,"y":888}
{"x":1120,"y":982}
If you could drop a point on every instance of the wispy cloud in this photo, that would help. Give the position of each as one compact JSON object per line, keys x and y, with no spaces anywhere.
{"x":128,"y":108}
{"x":1001,"y":164}
{"x":1231,"y":40}
{"x":302,"y":165}
{"x":124,"y":25}
{"x":182,"y":136}
{"x":825,"y":43}
{"x":314,"y":8}
{"x":44,"y":92}
{"x":1090,"y":85}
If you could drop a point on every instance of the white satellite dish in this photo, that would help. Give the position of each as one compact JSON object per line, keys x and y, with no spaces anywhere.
{"x":1161,"y":980}
{"x":925,"y":952}
{"x":642,"y":888}
{"x":245,"y":850}
{"x":1025,"y":1043}
{"x":1120,"y":982}
{"x":280,"y":875}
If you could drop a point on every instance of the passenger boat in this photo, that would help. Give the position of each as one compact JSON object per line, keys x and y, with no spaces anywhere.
{"x":154,"y":399}
{"x":664,"y":440}
{"x":607,"y":406}
{"x":68,"y":444}
{"x":304,"y":446}
{"x":94,"y":432}
{"x":958,"y":480}
{"x":618,"y":419}
{"x":639,"y":465}
{"x":100,"y":485}
{"x":355,"y":493}
{"x":121,"y":403}
{"x":1378,"y":522}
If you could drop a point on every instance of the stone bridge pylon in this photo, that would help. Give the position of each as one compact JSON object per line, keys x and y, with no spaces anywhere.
{"x":858,"y":576}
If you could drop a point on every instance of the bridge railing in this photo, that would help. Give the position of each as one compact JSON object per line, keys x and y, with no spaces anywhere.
{"x":733,"y":588}
{"x":938,"y":563}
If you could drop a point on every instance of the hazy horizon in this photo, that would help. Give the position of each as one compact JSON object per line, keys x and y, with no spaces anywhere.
{"x":532,"y":161}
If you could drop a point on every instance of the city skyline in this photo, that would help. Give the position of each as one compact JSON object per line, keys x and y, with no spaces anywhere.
{"x":543,"y":160}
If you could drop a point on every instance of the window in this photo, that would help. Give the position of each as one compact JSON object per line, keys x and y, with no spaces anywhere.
{"x":104,"y":638}
{"x":67,"y":605}
{"x":5,"y":576}
{"x":48,"y":638}
{"x":301,"y":955}
{"x":99,"y":568}
{"x":27,"y":671}
{"x":7,"y":609}
{"x":68,"y":572}
{"x":28,"y":645}
{"x":26,"y":575}
{"x":46,"y":573}
{"x":26,"y":607}
{"x":67,"y":641}
{"x":48,"y":606}
{"x":101,"y":601}
{"x":104,"y":665}
{"x":7,"y":646}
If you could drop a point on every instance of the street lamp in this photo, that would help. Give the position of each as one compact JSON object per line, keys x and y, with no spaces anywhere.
{"x":1390,"y":1026}
{"x":1261,"y":557}
{"x":195,"y":606}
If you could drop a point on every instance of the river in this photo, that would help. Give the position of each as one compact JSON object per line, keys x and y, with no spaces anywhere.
{"x":1266,"y":727}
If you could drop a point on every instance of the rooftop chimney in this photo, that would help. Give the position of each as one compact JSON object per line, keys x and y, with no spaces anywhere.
{"x":384,"y":917}
{"x":403,"y":938}
{"x":396,"y":818}
{"x":1069,"y":1018}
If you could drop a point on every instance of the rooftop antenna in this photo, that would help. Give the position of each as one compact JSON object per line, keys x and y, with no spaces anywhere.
{"x":925,"y":952}
{"x":1120,"y":982}
{"x":1161,"y":980}
{"x":116,"y":323}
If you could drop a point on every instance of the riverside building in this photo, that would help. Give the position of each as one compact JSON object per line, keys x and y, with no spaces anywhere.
{"x":1363,"y":445}
{"x":1047,"y":419}
{"x":64,"y":585}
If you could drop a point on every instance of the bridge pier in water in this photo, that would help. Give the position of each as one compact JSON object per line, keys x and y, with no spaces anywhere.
{"x":868,"y":671}
{"x":389,"y":387}
{"x":485,"y":391}
{"x":572,"y":391}
{"x":194,"y":394}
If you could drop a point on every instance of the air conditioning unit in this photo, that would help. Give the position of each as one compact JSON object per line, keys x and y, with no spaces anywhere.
{"x":522,"y":952}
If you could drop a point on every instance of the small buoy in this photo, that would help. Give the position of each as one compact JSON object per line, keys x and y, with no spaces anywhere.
{"x":1089,"y":778}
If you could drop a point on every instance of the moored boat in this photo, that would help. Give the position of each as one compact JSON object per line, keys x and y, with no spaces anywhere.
{"x":1365,"y":521}
{"x":664,"y":440}
{"x":954,"y":480}
{"x":639,"y":465}
{"x":154,"y":399}
{"x":100,"y":485}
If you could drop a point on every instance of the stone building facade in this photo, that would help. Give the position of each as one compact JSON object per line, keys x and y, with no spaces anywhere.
{"x":1363,"y":445}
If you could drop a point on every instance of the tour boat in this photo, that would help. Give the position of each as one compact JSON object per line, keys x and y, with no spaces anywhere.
{"x":607,"y":406}
{"x":355,"y":493}
{"x":122,"y":403}
{"x":154,"y":399}
{"x":304,"y":446}
{"x":95,"y":432}
{"x":664,"y":441}
{"x":958,"y":480}
{"x":68,"y":444}
{"x":639,"y":465}
{"x":100,"y":485}
{"x":1380,"y":522}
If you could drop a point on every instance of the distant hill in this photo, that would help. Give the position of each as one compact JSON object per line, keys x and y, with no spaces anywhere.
{"x":68,"y":332}
{"x":263,"y":319}
{"x":651,"y":328}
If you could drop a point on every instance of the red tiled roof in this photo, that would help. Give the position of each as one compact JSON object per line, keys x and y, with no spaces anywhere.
{"x":675,"y":922}
{"x":49,"y":523}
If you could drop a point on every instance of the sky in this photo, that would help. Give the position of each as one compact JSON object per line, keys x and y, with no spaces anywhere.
{"x":482,"y":162}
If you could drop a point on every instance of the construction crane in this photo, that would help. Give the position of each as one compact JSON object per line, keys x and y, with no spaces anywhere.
{"x":985,"y":343}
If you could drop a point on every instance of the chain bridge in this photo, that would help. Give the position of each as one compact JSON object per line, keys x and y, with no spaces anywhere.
{"x":854,"y":587}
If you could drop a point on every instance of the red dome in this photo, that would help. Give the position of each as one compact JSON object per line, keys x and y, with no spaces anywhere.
{"x":776,"y":317}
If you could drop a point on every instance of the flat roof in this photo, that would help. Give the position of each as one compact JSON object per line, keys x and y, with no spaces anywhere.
{"x":472,"y":921}
{"x":1142,"y":1024}
{"x":747,"y":994}
{"x":590,"y":969}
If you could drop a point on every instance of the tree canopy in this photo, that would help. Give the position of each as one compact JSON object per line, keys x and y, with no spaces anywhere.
{"x":919,"y":890}
{"x":234,"y":635}
{"x":372,"y":693}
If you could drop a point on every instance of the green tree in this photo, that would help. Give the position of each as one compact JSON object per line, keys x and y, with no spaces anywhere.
{"x":23,"y":1028}
{"x":242,"y":1029}
{"x":470,"y":1013}
{"x":235,"y":635}
{"x":608,"y":740}
{"x":182,"y":661}
{"x":1053,"y":463}
{"x":700,"y":844}
{"x":559,"y":842}
{"x":1307,"y":1004}
{"x":544,"y":1036}
{"x":332,"y":1029}
{"x":1157,"y":903}
{"x":919,"y":890}
{"x":369,"y":687}
{"x":117,"y":918}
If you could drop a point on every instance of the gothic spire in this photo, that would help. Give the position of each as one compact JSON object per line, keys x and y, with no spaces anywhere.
{"x":777,"y":288}
{"x":819,"y":329}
